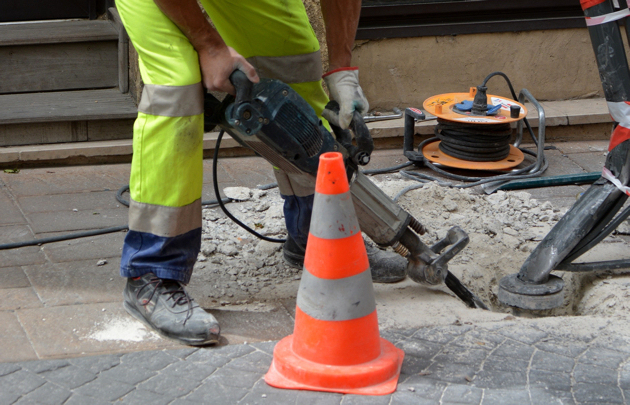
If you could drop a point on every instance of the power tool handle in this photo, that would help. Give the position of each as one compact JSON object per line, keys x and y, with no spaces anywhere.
{"x":243,"y":86}
{"x":364,"y":139}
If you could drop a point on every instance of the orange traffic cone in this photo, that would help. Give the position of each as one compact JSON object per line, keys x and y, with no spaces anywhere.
{"x":335,"y":345}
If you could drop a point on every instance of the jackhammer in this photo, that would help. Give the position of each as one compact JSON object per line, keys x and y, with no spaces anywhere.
{"x":270,"y":118}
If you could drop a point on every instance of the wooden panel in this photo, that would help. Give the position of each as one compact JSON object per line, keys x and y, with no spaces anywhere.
{"x":40,"y":133}
{"x":56,"y":32}
{"x":105,"y":130}
{"x":84,"y":65}
{"x":66,"y":106}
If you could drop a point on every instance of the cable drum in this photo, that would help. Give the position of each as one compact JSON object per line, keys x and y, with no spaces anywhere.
{"x":474,"y":142}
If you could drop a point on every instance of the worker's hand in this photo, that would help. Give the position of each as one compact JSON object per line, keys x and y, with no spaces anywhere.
{"x":218,"y":63}
{"x":343,"y":85}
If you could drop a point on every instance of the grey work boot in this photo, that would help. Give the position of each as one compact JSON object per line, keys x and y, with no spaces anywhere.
{"x":386,"y":267}
{"x":164,"y":306}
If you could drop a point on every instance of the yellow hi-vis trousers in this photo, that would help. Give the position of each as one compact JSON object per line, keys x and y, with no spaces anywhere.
{"x":166,"y":172}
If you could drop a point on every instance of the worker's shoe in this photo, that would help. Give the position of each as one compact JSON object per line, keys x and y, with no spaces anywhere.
{"x":386,"y":267}
{"x":166,"y":307}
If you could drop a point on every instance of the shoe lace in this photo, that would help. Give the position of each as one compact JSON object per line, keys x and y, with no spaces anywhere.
{"x":178,"y":295}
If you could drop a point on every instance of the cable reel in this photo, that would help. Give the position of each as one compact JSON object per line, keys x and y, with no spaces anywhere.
{"x":474,"y":138}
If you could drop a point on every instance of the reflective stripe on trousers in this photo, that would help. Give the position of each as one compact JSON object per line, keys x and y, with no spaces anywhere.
{"x":166,"y":171}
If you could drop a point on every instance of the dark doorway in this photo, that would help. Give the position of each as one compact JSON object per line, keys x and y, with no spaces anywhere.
{"x":34,"y":10}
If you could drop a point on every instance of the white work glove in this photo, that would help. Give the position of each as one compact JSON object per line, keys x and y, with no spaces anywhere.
{"x":343,"y":85}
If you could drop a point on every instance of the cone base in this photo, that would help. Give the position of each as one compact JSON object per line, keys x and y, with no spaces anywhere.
{"x":376,"y":377}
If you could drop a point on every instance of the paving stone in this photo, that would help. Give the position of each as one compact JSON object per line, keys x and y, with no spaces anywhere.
{"x":104,"y":388}
{"x":21,"y":382}
{"x":255,"y":361}
{"x":78,"y":282}
{"x":402,"y":397}
{"x":581,"y":146}
{"x":413,"y":365}
{"x":210,"y":357}
{"x":130,"y":373}
{"x":153,"y":361}
{"x":213,"y":391}
{"x":14,"y":343}
{"x":552,"y":362}
{"x":545,"y":396}
{"x":589,"y":373}
{"x":17,"y":298}
{"x":77,"y":399}
{"x":142,"y":397}
{"x":266,"y":347}
{"x":235,"y":351}
{"x":69,"y":377}
{"x":523,"y":334}
{"x":21,"y":256}
{"x":504,"y":379}
{"x":97,"y":364}
{"x":319,"y":398}
{"x":602,"y":357}
{"x":42,"y":366}
{"x":350,"y":399}
{"x":422,"y":386}
{"x":10,"y":214}
{"x":441,"y":335}
{"x":502,"y":397}
{"x":452,"y":372}
{"x":94,"y":248}
{"x":7,"y":397}
{"x":513,"y":350}
{"x":182,"y":353}
{"x":552,"y":381}
{"x":234,"y":378}
{"x":500,"y":363}
{"x":624,"y":376}
{"x":462,"y":394}
{"x":563,"y":348}
{"x":597,"y":394}
{"x":13,"y":277}
{"x":246,"y":177}
{"x":420,"y":349}
{"x":468,"y":356}
{"x":68,"y":179}
{"x":46,"y":394}
{"x":477,"y":338}
{"x":589,"y":162}
{"x":71,"y":221}
{"x":75,"y":330}
{"x":177,"y":380}
{"x":90,"y":201}
{"x":8,"y":368}
{"x":250,"y":326}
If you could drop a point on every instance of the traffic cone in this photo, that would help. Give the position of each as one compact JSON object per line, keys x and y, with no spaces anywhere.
{"x":335,"y":345}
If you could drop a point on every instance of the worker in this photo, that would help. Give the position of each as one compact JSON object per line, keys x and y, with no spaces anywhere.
{"x":182,"y":55}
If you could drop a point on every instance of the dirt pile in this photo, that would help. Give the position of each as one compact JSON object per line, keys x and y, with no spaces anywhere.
{"x":503,"y":228}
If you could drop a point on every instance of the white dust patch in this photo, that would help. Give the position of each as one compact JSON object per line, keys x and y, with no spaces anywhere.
{"x":122,"y":330}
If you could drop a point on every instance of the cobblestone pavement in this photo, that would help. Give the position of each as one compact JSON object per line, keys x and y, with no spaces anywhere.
{"x":518,"y":362}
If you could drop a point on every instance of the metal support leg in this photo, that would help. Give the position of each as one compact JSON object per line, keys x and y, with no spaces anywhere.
{"x":534,"y":287}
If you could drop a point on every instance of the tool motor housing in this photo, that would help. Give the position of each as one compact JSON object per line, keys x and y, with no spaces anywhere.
{"x":280,"y":126}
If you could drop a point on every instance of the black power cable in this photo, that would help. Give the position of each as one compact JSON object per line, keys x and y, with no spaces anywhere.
{"x":215,"y":183}
{"x":476,"y":143}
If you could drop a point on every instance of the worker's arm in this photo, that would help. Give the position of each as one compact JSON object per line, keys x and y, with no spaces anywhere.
{"x":341,"y":18}
{"x":216,"y":59}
